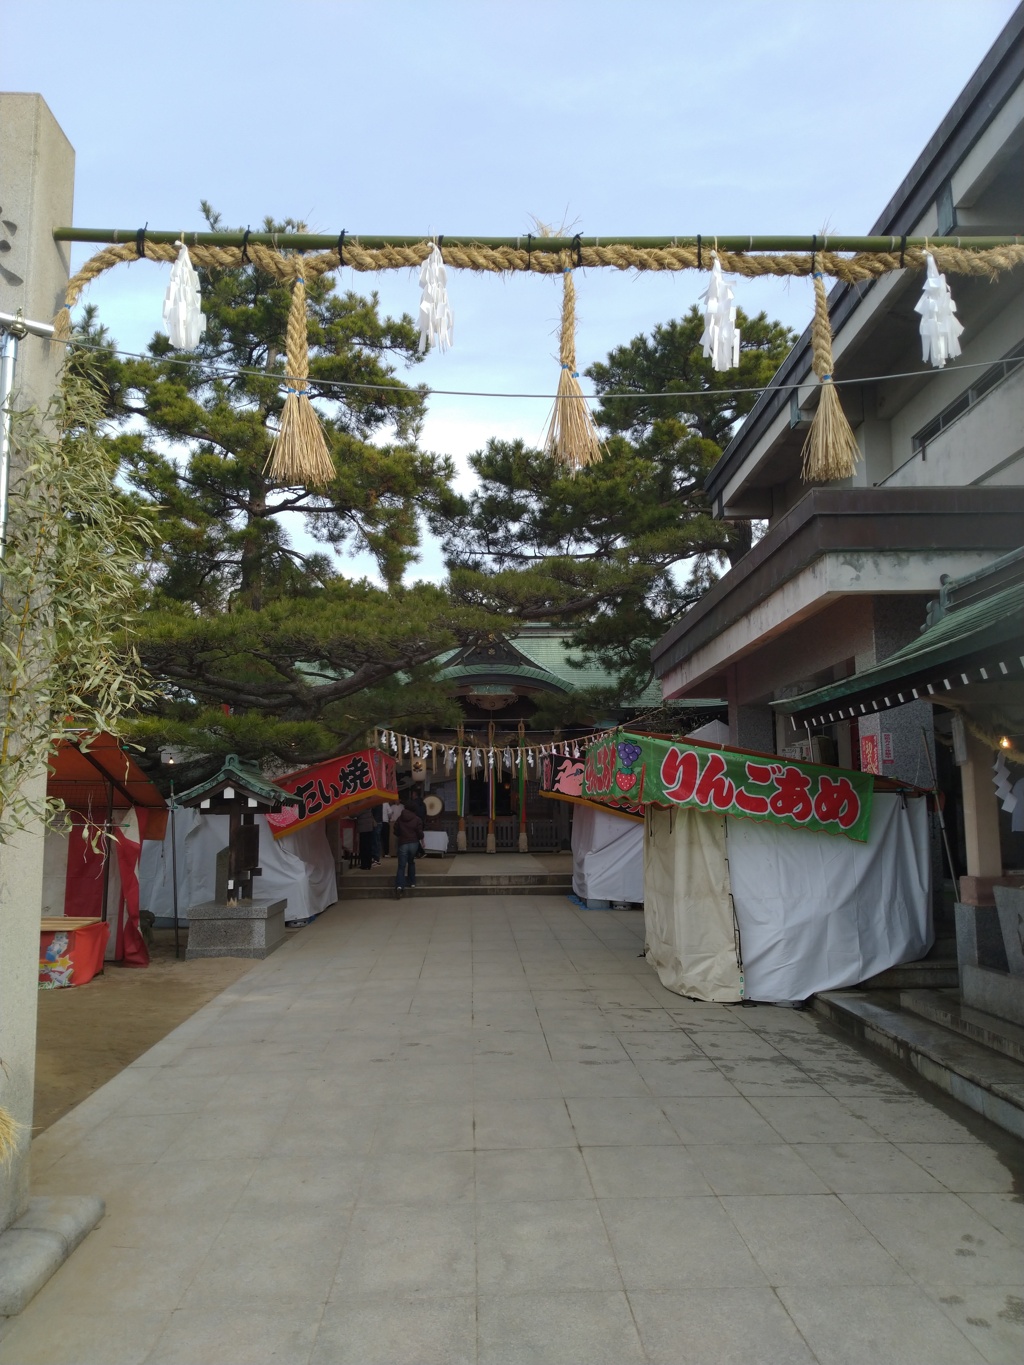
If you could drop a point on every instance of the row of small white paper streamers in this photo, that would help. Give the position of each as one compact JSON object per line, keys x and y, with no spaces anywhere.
{"x":477,"y":756}
{"x":940,"y":328}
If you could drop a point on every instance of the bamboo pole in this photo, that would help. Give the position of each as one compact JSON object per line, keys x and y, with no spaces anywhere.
{"x":318,"y":241}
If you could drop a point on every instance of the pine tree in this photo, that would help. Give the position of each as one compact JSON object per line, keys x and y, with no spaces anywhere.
{"x":258,"y":643}
{"x":622,"y":548}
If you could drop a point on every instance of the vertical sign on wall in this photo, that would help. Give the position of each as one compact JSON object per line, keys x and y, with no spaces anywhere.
{"x":870,"y":758}
{"x":887,"y":747}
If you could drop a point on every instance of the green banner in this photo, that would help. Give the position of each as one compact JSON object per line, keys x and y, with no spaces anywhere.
{"x":627,"y":770}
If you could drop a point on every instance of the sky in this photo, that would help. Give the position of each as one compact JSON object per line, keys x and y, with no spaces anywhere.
{"x":653,"y":117}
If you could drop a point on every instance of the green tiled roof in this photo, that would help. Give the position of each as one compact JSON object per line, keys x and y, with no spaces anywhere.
{"x":233,"y":773}
{"x":994,"y":621}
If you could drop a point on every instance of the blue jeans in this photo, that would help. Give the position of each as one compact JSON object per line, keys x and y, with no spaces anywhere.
{"x":406,"y":874}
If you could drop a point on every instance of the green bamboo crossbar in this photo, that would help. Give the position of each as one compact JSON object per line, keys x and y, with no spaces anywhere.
{"x":318,"y":241}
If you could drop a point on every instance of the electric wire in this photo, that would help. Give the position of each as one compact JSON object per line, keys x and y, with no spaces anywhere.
{"x":426,"y":391}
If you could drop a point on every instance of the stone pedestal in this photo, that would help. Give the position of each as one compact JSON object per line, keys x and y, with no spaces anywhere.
{"x":979,"y":940}
{"x":246,"y":929}
{"x":990,"y":947}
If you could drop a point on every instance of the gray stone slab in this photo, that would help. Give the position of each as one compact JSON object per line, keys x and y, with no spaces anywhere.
{"x":996,"y":993}
{"x":394,"y":1331}
{"x":717,"y":1327}
{"x":811,"y":1239}
{"x":402,"y":1251}
{"x":769,"y":1169}
{"x":635,"y":1172}
{"x":573,"y":1329}
{"x":544,"y":1246}
{"x":531,"y":1174}
{"x":251,"y":928}
{"x":1010,"y":906}
{"x":848,"y":1325}
{"x":939,"y":1238}
{"x":39,"y":1242}
{"x":677,"y":1244}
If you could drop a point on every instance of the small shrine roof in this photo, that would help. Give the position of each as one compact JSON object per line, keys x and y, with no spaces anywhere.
{"x":246,"y":779}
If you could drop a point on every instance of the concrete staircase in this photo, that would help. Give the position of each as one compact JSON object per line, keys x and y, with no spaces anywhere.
{"x":976,"y":1058}
{"x":379,"y":884}
{"x":938,"y":970}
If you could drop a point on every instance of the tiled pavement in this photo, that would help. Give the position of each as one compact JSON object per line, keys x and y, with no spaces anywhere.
{"x":480,"y":1130}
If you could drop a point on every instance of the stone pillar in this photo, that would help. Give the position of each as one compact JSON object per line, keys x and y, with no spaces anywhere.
{"x":750,"y":727}
{"x":37,"y":166}
{"x":981,"y":811}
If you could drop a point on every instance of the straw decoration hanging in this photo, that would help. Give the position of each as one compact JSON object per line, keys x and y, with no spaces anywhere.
{"x":572,"y":436}
{"x":299,"y":454}
{"x":830,"y":451}
{"x":10,"y":1134}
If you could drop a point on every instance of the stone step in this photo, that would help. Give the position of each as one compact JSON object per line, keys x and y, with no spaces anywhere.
{"x":930,"y":973}
{"x":944,"y":1007}
{"x":460,"y":878}
{"x":442,"y":887}
{"x":986,"y":1081}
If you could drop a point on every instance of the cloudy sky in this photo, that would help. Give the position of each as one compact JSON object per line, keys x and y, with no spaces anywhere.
{"x":470,"y":116}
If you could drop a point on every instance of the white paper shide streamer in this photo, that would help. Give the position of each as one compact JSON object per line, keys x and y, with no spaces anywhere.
{"x":184,"y":320}
{"x":436,"y":321}
{"x":721,"y":339}
{"x":1003,"y":784}
{"x":940,"y":327}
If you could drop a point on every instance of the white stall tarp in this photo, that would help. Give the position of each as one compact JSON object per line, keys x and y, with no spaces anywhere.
{"x":607,"y":856}
{"x":688,"y":917}
{"x":817,"y":912}
{"x":298,"y":867}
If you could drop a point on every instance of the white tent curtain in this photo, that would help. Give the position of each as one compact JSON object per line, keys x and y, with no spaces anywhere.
{"x":688,"y":917}
{"x":607,"y":856}
{"x":299,"y":867}
{"x":817,"y":912}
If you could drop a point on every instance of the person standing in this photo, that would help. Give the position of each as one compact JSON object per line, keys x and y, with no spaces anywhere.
{"x":364,"y":828}
{"x":392,"y":811}
{"x":416,"y":803}
{"x":408,"y":830}
{"x":378,"y":833}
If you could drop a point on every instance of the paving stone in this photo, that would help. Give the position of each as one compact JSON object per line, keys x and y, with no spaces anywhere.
{"x":392,"y":1331}
{"x":678,"y":1243}
{"x":309,"y":1139}
{"x":572,"y":1329}
{"x":717,"y":1327}
{"x":848,"y":1325}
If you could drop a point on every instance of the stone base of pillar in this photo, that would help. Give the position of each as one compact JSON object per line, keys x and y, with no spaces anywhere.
{"x":524,"y":843}
{"x":246,"y":929}
{"x":39,"y":1242}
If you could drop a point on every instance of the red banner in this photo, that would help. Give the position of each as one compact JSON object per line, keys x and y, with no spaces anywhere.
{"x":341,"y":786}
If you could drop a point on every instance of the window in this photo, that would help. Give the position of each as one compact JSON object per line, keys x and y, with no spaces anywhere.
{"x":981,"y":386}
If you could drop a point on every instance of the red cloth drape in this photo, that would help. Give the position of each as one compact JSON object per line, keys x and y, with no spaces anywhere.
{"x":130,"y":946}
{"x":83,"y":881}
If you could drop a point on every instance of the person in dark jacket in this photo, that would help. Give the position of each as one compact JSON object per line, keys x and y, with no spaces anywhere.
{"x":408,"y":830}
{"x":415,"y":802}
{"x":364,"y":828}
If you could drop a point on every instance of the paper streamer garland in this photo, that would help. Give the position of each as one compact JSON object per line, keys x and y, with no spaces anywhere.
{"x":482,"y":759}
{"x":721,"y":339}
{"x":436,"y":322}
{"x":300,"y":453}
{"x":184,"y":320}
{"x":940,"y":327}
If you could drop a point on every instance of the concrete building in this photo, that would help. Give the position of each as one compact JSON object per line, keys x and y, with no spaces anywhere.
{"x":842,"y":577}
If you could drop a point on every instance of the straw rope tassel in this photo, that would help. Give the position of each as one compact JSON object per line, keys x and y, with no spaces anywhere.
{"x":572,"y":437}
{"x":830,"y":451}
{"x":299,"y":454}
